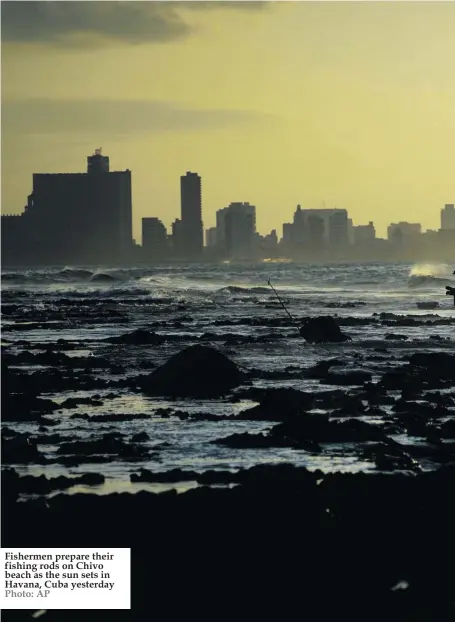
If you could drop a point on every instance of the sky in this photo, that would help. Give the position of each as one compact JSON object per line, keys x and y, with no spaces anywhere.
{"x":323,"y":104}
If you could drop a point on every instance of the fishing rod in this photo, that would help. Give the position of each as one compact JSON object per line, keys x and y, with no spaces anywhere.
{"x":293,"y":320}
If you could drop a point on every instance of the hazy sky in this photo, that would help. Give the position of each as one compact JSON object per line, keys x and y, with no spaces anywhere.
{"x":347,"y":103}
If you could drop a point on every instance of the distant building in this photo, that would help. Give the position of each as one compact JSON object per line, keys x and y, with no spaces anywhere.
{"x":210,"y":237}
{"x":154,"y":239}
{"x":267,"y":245}
{"x":448,"y":217}
{"x":178,"y":239}
{"x":364,"y":234}
{"x":221,"y":229}
{"x":351,"y":231}
{"x":236,"y":230}
{"x":76,"y":217}
{"x":403,"y":232}
{"x":191,"y":215}
{"x":314,"y":229}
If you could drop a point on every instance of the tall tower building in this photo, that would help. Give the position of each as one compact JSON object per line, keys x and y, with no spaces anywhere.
{"x":191,"y":206}
{"x":448,"y":217}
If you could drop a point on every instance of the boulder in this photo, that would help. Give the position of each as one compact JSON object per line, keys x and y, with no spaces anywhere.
{"x":278,"y":405}
{"x":197,"y":371}
{"x":323,"y":329}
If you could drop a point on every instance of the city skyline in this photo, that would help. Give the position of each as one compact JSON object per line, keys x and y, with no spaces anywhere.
{"x":353,"y":109}
{"x":87,"y":217}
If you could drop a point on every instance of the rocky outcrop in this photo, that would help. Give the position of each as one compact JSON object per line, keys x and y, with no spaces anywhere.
{"x":323,"y":329}
{"x":197,"y":371}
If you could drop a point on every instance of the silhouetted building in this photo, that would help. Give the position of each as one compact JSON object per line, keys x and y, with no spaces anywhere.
{"x":210,"y":237}
{"x":77,"y":217}
{"x":448,"y":217}
{"x":155,"y":244}
{"x":97,"y":163}
{"x":191,"y":206}
{"x":338,"y":228}
{"x":221,"y":229}
{"x":177,"y":239}
{"x":238,"y":229}
{"x":409,"y":230}
{"x":318,"y":230}
{"x":364,"y":234}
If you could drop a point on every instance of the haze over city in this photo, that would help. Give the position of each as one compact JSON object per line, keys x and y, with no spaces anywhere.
{"x":344,"y":104}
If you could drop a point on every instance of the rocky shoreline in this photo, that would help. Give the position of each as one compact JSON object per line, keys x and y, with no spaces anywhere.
{"x":262,"y":536}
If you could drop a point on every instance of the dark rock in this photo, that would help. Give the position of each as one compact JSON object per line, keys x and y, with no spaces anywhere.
{"x":20,"y":449}
{"x":439,"y":364}
{"x":447,"y":429}
{"x":25,"y":407}
{"x":73,"y":402}
{"x":138,"y":338}
{"x":197,"y":371}
{"x":318,"y":428}
{"x":348,"y":377}
{"x":140,"y":437}
{"x":323,"y":329}
{"x":395,"y":337}
{"x":278,"y":405}
{"x":353,"y":407}
{"x":321,"y":369}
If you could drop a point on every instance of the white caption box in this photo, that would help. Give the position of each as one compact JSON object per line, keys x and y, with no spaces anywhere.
{"x":65,"y":578}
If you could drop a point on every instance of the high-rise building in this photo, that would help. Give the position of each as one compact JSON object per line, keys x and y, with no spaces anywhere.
{"x":154,"y":239}
{"x":210,"y":237}
{"x":314,"y":228}
{"x":236,"y":230}
{"x":221,"y":229}
{"x":78,"y":217}
{"x":191,"y":215}
{"x":448,"y":217}
{"x":240,"y":229}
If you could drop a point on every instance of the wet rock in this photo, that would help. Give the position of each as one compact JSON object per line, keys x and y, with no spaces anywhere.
{"x":73,"y":402}
{"x":278,"y":405}
{"x":447,"y":429}
{"x":197,"y":371}
{"x":320,"y":429}
{"x":20,"y":449}
{"x":438,"y":364}
{"x":140,"y":437}
{"x":174,"y":475}
{"x":25,"y":407}
{"x":395,"y":337}
{"x":352,"y":407}
{"x":29,"y":484}
{"x":138,"y":338}
{"x":323,"y":329}
{"x":321,"y":369}
{"x":348,"y":377}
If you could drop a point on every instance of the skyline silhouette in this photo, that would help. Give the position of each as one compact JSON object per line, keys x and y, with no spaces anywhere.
{"x":353,"y":110}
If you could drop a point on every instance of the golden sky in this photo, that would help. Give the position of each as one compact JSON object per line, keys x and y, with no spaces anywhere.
{"x":342,"y":104}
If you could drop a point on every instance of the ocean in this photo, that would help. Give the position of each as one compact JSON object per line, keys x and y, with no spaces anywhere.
{"x":230,"y":307}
